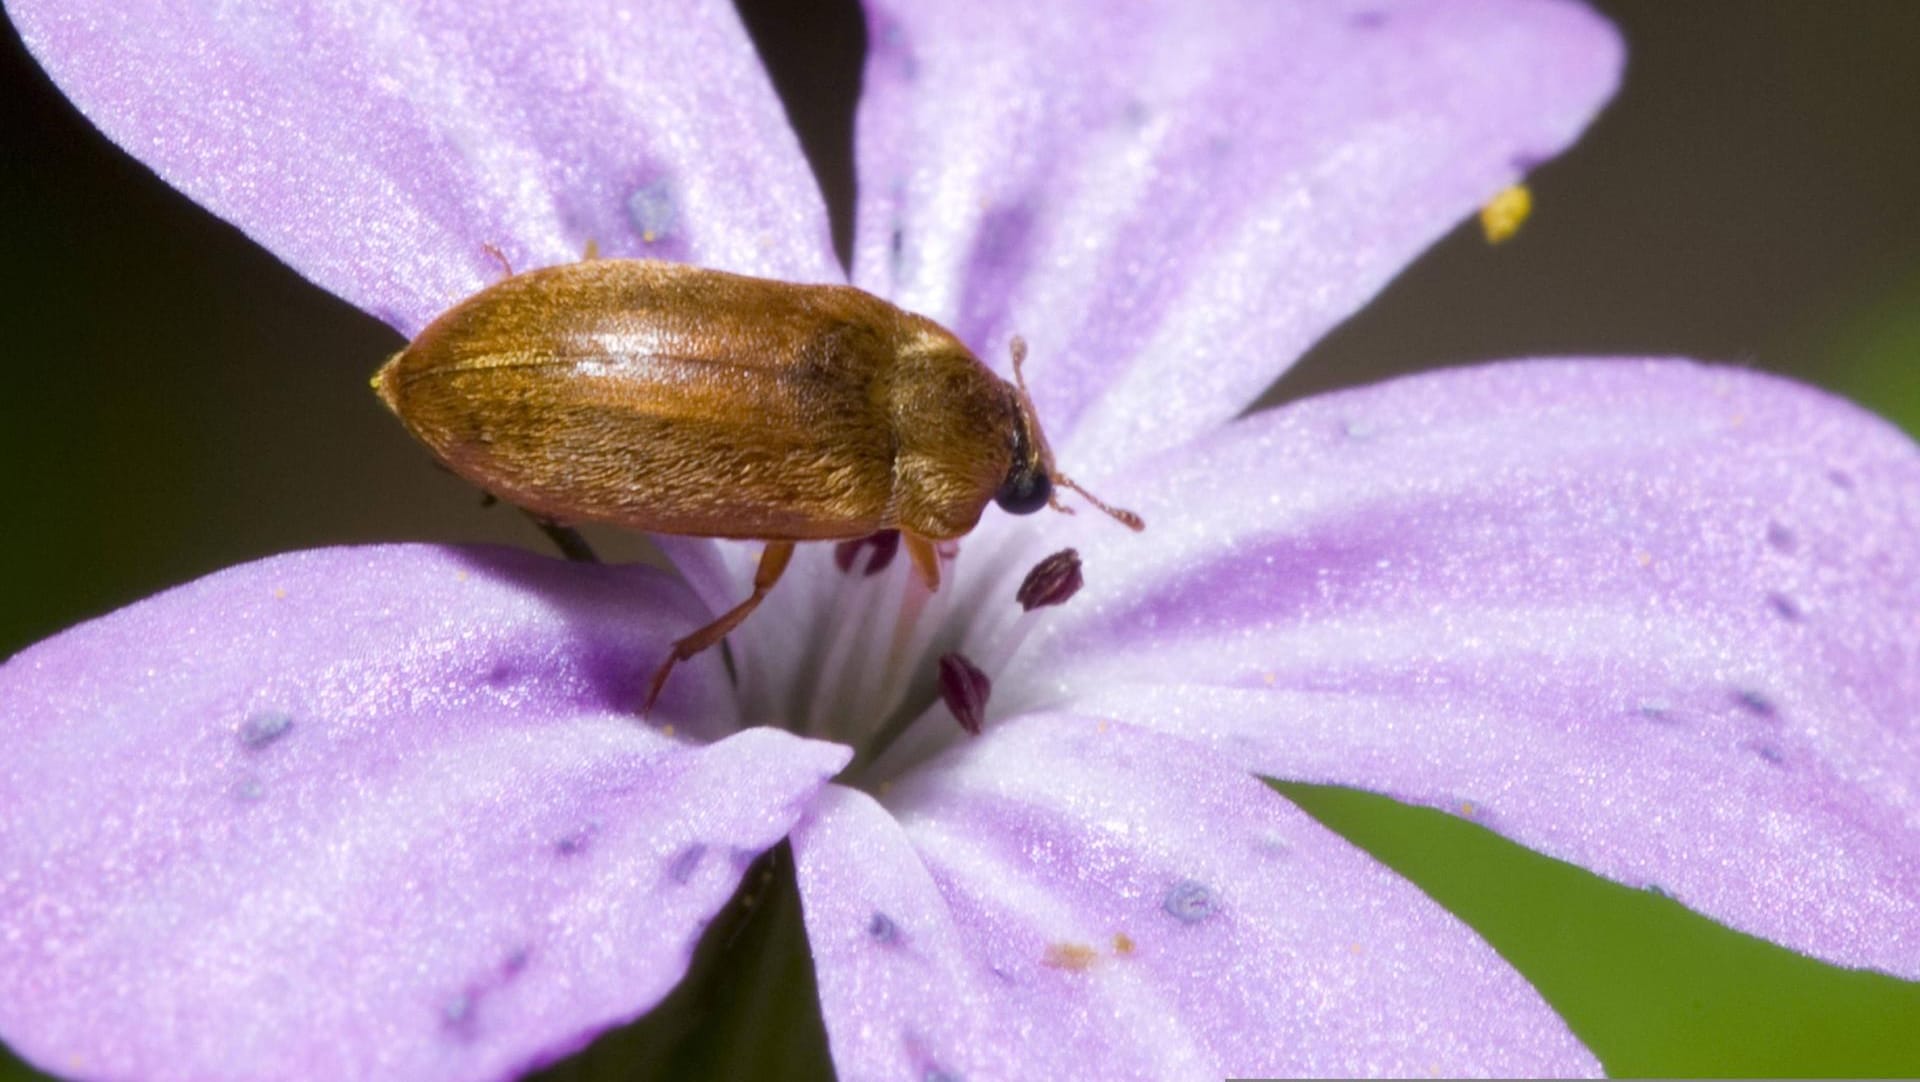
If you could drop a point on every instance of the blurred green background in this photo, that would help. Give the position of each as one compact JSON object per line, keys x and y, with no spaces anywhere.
{"x":179,"y":402}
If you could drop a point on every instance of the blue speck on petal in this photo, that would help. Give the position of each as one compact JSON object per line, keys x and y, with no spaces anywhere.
{"x":457,"y":1015}
{"x":685,"y":863}
{"x":577,"y":842}
{"x":1189,"y":902}
{"x":653,"y":210}
{"x":264,"y":728}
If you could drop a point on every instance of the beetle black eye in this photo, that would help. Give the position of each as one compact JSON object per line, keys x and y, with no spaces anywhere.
{"x":1026,"y":490}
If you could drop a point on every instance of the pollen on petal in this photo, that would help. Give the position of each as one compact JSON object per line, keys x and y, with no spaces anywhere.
{"x":1505,"y":213}
{"x":1076,"y":957}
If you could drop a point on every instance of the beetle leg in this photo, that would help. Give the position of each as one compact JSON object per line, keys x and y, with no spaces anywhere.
{"x":926,"y":559}
{"x":566,"y":539}
{"x":499,"y":257}
{"x":773,"y":563}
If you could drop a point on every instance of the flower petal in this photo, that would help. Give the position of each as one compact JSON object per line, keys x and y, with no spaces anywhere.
{"x":377,"y":148}
{"x":366,"y":813}
{"x":1172,"y":202}
{"x":1069,"y":898}
{"x":1657,"y":619}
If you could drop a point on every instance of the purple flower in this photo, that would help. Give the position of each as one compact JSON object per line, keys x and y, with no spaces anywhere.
{"x":387,"y":811}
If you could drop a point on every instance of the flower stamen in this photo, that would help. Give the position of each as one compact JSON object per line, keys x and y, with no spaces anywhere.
{"x":965,"y":690}
{"x":1053,"y":581}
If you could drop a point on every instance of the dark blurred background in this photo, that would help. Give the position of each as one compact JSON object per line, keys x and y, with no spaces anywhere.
{"x":178,"y":401}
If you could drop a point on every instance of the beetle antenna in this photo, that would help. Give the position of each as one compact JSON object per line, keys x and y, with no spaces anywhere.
{"x":1132,"y":521}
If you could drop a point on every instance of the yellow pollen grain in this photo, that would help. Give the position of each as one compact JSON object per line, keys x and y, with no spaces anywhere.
{"x":1122,"y":944}
{"x":666,"y":731}
{"x":460,"y":576}
{"x":280,"y":593}
{"x":649,"y":236}
{"x":1077,"y":957}
{"x":1467,"y":809}
{"x":1505,"y":213}
{"x":1643,"y":558}
{"x":1270,"y":677}
{"x":1355,"y":948}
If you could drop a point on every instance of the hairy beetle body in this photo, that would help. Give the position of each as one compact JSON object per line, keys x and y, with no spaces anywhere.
{"x":671,"y":399}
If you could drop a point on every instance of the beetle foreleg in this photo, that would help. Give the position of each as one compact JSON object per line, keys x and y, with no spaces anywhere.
{"x":773,"y":564}
{"x":926,"y":559}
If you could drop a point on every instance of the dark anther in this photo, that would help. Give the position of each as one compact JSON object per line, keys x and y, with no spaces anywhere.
{"x":1051,"y":582}
{"x":885,"y":544}
{"x":965,"y":689}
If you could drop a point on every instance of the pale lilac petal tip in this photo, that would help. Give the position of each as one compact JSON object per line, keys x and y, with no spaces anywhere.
{"x":366,"y":813}
{"x":379,"y":148}
{"x":1171,"y":202}
{"x":1657,"y":619}
{"x":1069,"y":898}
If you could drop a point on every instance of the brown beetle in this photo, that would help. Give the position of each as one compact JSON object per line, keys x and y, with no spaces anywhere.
{"x":671,"y":399}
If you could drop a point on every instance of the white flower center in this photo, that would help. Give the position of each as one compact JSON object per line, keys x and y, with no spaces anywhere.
{"x":853,"y":657}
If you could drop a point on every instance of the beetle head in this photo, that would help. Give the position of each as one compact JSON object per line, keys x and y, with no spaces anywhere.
{"x":1029,"y":483}
{"x":1032,"y":476}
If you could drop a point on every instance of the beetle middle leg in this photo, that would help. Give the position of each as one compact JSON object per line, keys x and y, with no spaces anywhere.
{"x":773,"y":564}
